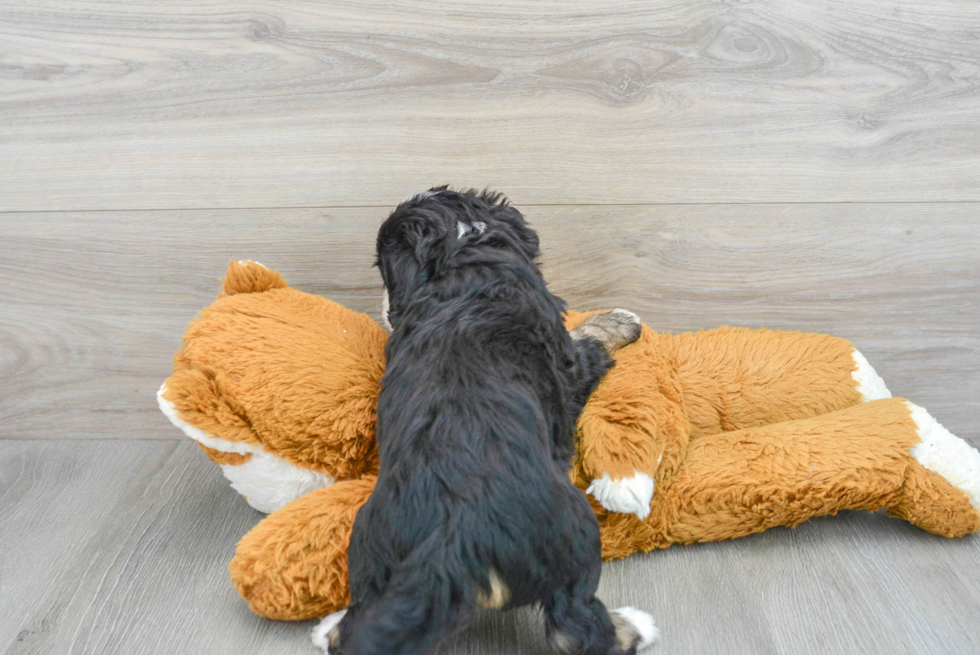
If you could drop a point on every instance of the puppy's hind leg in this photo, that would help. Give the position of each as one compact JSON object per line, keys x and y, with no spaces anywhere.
{"x":579,"y":624}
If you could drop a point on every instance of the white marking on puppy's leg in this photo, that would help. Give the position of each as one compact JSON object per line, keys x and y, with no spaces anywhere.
{"x":869,"y":383}
{"x":320,"y":636}
{"x":634,"y":628}
{"x":944,"y":453}
{"x":462,"y":229}
{"x":630,"y":495}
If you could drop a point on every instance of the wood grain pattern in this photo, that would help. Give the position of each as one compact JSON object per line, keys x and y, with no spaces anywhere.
{"x":95,"y":304}
{"x":147,"y":105}
{"x":121,"y":547}
{"x":832,"y":572}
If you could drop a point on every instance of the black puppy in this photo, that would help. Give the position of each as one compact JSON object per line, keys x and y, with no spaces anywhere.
{"x":473,"y":505}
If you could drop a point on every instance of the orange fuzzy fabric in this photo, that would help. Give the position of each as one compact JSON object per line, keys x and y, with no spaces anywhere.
{"x":294,"y":373}
{"x":741,"y":430}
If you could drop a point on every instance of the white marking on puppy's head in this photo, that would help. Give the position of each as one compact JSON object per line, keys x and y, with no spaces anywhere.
{"x":462,"y":229}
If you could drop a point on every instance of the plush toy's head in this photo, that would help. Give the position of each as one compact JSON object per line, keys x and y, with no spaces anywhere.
{"x":278,"y":387}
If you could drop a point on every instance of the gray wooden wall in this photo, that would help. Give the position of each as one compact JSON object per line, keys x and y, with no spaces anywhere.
{"x":789,"y":164}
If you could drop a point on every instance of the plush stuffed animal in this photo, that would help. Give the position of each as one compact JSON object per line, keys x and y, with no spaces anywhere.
{"x":690,"y":437}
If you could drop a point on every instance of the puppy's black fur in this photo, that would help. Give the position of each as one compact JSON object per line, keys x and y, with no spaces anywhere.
{"x":473,"y":504}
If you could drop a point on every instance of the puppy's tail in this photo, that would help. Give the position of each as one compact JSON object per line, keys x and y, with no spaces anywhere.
{"x":427,"y":597}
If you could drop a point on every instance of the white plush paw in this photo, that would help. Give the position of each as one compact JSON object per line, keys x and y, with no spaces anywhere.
{"x":942,"y":452}
{"x":869,"y":383}
{"x":321,"y":633}
{"x":642,"y":623}
{"x":630,"y":495}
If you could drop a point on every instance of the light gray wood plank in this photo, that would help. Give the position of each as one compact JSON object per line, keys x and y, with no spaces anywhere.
{"x":862,"y":583}
{"x":245,"y":104}
{"x":113,"y":547}
{"x":95,"y":303}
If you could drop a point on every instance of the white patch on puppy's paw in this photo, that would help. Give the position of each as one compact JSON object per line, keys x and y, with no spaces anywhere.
{"x":643,"y":630}
{"x":869,"y":383}
{"x":320,"y":636}
{"x":944,"y":453}
{"x":630,"y":495}
{"x":630,"y":317}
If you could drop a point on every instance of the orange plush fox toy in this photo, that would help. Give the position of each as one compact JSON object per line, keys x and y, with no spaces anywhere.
{"x":691,"y":437}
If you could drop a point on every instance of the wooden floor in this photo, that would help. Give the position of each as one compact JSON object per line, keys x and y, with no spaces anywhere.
{"x":797,"y":165}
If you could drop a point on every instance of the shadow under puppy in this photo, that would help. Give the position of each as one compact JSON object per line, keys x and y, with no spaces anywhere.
{"x":473,"y":505}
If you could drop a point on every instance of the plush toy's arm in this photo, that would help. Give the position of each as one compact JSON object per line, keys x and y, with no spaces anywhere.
{"x":292,"y":566}
{"x":633,"y":431}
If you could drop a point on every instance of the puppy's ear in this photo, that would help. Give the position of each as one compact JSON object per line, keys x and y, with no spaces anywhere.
{"x":429,"y":244}
{"x":411,"y":250}
{"x":525,"y":236}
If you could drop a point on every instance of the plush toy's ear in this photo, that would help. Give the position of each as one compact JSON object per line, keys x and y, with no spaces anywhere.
{"x":292,"y":566}
{"x":251,"y":277}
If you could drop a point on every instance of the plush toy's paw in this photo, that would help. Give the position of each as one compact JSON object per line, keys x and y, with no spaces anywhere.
{"x":630,"y":495}
{"x":634,"y":628}
{"x":325,"y":634}
{"x":944,"y":453}
{"x":613,"y":329}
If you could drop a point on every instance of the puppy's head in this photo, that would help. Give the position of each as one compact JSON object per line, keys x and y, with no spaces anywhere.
{"x":440,"y":229}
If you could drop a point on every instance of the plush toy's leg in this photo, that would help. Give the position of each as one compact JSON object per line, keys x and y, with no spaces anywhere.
{"x":940,"y":457}
{"x":736,"y":378}
{"x":292,"y":566}
{"x":881,"y":454}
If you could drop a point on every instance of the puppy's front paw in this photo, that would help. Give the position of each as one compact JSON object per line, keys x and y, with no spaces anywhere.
{"x":630,"y":495}
{"x":613,"y":329}
{"x":326,"y":633}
